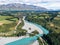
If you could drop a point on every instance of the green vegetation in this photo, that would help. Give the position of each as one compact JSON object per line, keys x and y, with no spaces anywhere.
{"x":50,"y":21}
{"x":40,"y":43}
{"x":20,"y":31}
{"x":3,"y":19}
{"x":34,"y":33}
{"x":8,"y":24}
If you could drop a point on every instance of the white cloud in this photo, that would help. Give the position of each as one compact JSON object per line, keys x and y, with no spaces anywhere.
{"x":50,"y":4}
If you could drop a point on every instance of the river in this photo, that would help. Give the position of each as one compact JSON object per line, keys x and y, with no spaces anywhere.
{"x":29,"y":40}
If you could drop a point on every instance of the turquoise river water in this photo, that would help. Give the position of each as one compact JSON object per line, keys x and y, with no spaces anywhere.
{"x":30,"y":40}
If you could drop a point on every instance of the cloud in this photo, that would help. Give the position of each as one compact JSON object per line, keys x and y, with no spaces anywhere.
{"x":49,"y":4}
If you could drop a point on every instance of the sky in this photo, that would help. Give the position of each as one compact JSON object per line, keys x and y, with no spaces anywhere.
{"x":49,"y":4}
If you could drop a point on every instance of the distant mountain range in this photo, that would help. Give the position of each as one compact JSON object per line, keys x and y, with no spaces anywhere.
{"x":18,"y":6}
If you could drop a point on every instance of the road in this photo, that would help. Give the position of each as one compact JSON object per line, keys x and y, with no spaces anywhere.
{"x":18,"y":24}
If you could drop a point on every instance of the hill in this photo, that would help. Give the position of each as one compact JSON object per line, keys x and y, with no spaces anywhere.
{"x":18,"y":6}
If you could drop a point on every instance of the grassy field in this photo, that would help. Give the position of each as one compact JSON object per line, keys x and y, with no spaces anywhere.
{"x":7,"y":23}
{"x":3,"y":19}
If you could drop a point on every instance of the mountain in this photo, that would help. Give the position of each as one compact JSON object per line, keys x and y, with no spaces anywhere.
{"x":18,"y":6}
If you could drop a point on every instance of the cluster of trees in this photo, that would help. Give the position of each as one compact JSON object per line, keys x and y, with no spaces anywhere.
{"x":52,"y":38}
{"x":34,"y":33}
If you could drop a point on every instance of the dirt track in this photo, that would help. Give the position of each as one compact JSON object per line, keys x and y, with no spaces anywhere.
{"x":1,"y":23}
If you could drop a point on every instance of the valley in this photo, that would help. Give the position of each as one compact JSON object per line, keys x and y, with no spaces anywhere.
{"x":14,"y":25}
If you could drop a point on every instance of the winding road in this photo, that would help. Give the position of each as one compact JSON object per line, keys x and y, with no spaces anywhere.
{"x":18,"y":24}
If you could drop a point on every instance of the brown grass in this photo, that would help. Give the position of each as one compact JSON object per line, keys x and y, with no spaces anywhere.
{"x":1,"y":23}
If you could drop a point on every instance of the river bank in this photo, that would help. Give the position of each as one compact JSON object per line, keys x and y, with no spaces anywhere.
{"x":29,"y":40}
{"x":32,"y":27}
{"x":5,"y":40}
